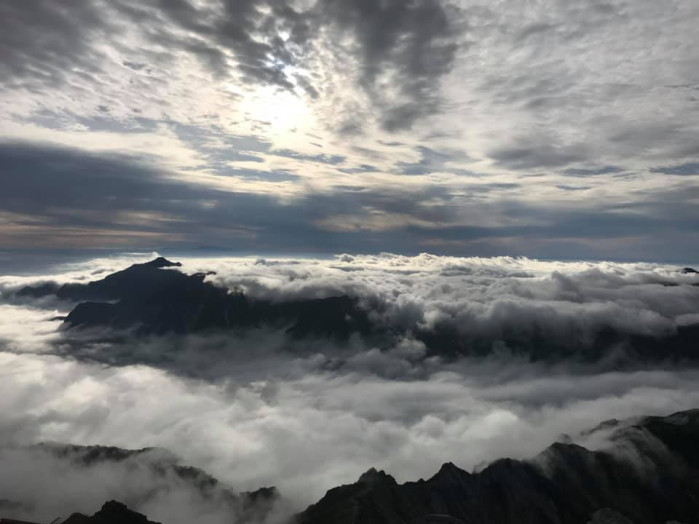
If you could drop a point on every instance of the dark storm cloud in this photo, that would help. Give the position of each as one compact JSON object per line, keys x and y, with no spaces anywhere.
{"x":42,"y":42}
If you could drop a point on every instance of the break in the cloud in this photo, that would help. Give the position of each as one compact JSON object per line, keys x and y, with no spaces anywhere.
{"x":553,"y":128}
{"x":255,"y":411}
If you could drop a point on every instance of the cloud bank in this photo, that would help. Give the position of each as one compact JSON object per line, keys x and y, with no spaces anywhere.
{"x":254,"y":410}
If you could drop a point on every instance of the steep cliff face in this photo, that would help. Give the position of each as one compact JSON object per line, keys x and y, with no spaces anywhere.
{"x":649,"y":476}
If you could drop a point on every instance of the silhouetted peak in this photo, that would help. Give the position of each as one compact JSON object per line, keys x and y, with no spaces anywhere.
{"x":449,"y":471}
{"x":112,"y":512}
{"x":161,"y":262}
{"x":374,"y":476}
{"x":116,"y":512}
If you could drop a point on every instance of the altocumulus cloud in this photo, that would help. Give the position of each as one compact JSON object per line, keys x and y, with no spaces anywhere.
{"x":339,"y":125}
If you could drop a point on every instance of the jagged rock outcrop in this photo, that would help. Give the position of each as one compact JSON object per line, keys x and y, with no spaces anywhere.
{"x":650,"y":476}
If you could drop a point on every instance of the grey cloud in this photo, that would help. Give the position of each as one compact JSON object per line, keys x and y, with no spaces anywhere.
{"x":269,"y":43}
{"x":151,"y":481}
{"x":306,"y":431}
{"x":591,"y":172}
{"x":320,"y":158}
{"x":415,"y":41}
{"x":45,"y":42}
{"x":93,"y":196}
{"x":533,"y":154}
{"x":430,"y":161}
{"x":690,"y":168}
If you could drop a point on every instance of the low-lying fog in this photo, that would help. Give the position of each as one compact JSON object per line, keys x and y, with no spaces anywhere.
{"x":257,"y":411}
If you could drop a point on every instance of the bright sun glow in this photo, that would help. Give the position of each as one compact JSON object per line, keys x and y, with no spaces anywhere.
{"x":283,"y":111}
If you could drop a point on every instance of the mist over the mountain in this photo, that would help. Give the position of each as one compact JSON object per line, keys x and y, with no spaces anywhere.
{"x":260,"y":405}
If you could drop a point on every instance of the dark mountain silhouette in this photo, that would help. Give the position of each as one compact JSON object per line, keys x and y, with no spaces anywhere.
{"x":164,"y":472}
{"x":650,"y":477}
{"x":112,"y":512}
{"x":156,"y":298}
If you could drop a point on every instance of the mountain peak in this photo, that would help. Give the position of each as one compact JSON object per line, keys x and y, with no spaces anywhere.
{"x":449,"y":470}
{"x":374,"y":476}
{"x":161,"y":262}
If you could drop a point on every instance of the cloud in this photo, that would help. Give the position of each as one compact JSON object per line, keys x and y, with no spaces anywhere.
{"x":473,"y":119}
{"x":44,"y":42}
{"x":60,"y":198}
{"x":403,"y":48}
{"x":454,"y":306}
{"x":51,"y":480}
{"x":306,"y":432}
{"x":256,"y":410}
{"x":691,"y":168}
{"x":285,"y":45}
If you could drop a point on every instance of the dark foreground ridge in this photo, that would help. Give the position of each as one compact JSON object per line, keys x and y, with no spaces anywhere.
{"x":155,"y":299}
{"x":649,"y":475}
{"x":112,"y":512}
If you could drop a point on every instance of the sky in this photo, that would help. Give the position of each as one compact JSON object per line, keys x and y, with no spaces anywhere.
{"x":551,"y":129}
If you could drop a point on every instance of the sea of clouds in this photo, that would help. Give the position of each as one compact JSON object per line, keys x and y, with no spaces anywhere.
{"x":257,"y":410}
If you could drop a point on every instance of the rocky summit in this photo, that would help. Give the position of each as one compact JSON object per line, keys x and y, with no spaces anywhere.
{"x":650,"y":475}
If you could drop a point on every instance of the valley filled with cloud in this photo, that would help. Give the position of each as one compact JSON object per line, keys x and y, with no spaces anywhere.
{"x":260,"y":407}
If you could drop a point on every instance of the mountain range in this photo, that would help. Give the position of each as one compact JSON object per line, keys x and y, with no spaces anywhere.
{"x":647,"y":473}
{"x":157,"y":298}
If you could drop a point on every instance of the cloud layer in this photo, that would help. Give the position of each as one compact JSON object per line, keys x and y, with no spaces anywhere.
{"x":255,"y":411}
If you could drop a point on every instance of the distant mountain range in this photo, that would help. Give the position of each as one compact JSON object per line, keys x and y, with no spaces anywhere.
{"x":648,"y":475}
{"x":155,"y":298}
